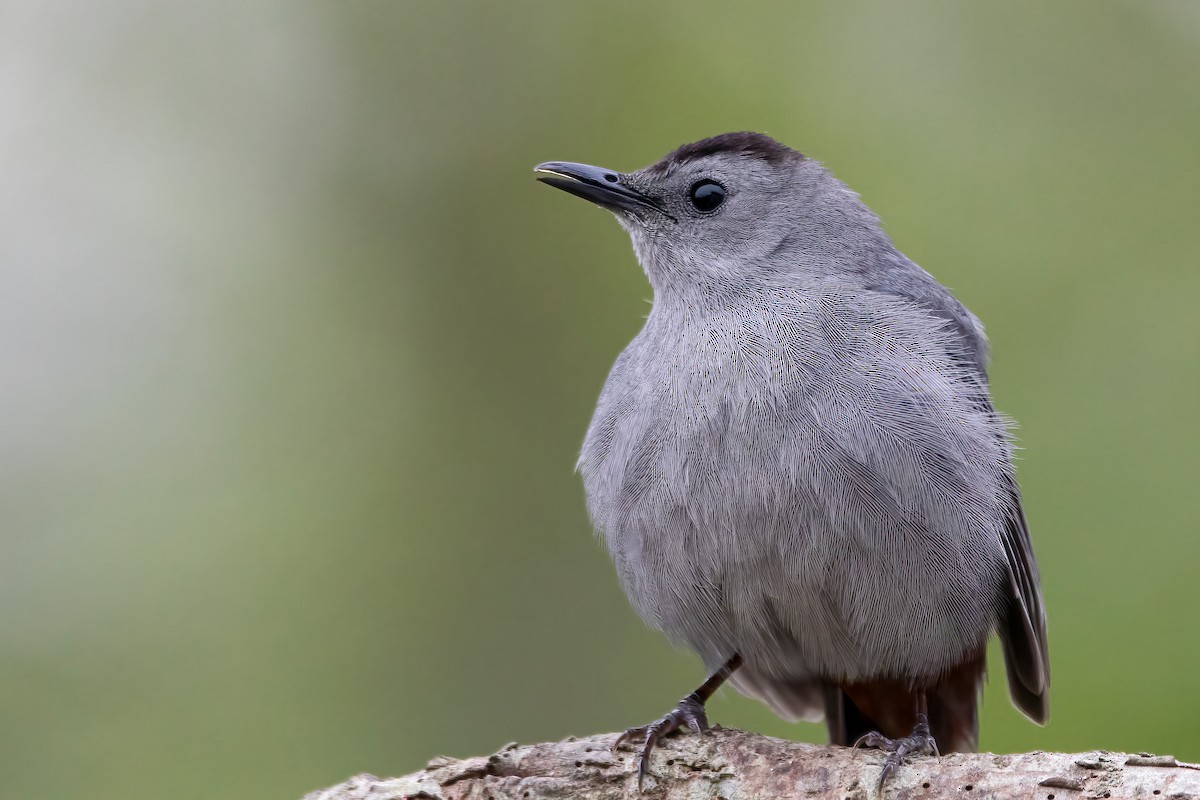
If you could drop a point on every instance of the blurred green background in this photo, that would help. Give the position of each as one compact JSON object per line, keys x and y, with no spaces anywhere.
{"x":297,"y":357}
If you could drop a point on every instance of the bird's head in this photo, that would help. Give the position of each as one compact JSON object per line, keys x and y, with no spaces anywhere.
{"x":724,"y":211}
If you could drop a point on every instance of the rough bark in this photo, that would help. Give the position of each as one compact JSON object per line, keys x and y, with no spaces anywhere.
{"x":735,"y":765}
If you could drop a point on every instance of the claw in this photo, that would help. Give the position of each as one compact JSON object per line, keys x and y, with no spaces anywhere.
{"x":689,"y":713}
{"x":919,"y":741}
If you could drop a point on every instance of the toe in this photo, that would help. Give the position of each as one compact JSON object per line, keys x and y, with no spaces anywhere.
{"x":876,"y":741}
{"x":688,"y":714}
{"x":889,"y":767}
{"x":629,"y":735}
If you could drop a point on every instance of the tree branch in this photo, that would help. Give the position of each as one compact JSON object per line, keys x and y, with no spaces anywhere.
{"x":735,"y":765}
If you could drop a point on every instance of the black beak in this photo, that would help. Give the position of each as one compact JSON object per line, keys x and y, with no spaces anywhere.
{"x":602,"y":186}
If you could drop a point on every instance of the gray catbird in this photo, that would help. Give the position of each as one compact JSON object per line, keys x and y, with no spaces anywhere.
{"x":796,"y":464}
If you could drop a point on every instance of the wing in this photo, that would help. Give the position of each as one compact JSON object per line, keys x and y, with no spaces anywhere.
{"x":1023,"y":624}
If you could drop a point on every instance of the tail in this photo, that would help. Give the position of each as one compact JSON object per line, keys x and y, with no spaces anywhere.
{"x":889,"y":707}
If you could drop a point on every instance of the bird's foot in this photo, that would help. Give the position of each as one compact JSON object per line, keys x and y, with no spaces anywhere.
{"x":688,"y":714}
{"x":919,"y":741}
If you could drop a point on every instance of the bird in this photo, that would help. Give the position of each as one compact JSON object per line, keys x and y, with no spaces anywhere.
{"x":796,"y":464}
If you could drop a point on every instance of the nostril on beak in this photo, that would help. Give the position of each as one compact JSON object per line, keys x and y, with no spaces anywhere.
{"x":610,"y":177}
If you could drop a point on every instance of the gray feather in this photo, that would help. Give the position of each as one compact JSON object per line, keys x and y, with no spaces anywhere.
{"x":797,"y":458}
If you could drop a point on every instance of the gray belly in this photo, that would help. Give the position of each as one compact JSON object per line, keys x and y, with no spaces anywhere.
{"x":800,"y":534}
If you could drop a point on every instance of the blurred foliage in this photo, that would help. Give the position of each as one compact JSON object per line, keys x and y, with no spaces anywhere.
{"x":297,"y":357}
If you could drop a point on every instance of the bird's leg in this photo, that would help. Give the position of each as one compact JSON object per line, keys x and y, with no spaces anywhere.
{"x":689,"y":713}
{"x":919,"y":741}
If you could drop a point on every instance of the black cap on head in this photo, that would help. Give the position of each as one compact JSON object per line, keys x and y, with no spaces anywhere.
{"x":747,"y":143}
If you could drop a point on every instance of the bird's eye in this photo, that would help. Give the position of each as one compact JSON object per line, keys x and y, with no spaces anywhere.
{"x":706,"y":195}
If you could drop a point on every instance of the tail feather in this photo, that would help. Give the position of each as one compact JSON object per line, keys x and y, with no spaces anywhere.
{"x":889,"y":707}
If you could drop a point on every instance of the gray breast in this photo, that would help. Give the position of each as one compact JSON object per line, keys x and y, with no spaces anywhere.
{"x":783,"y":479}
